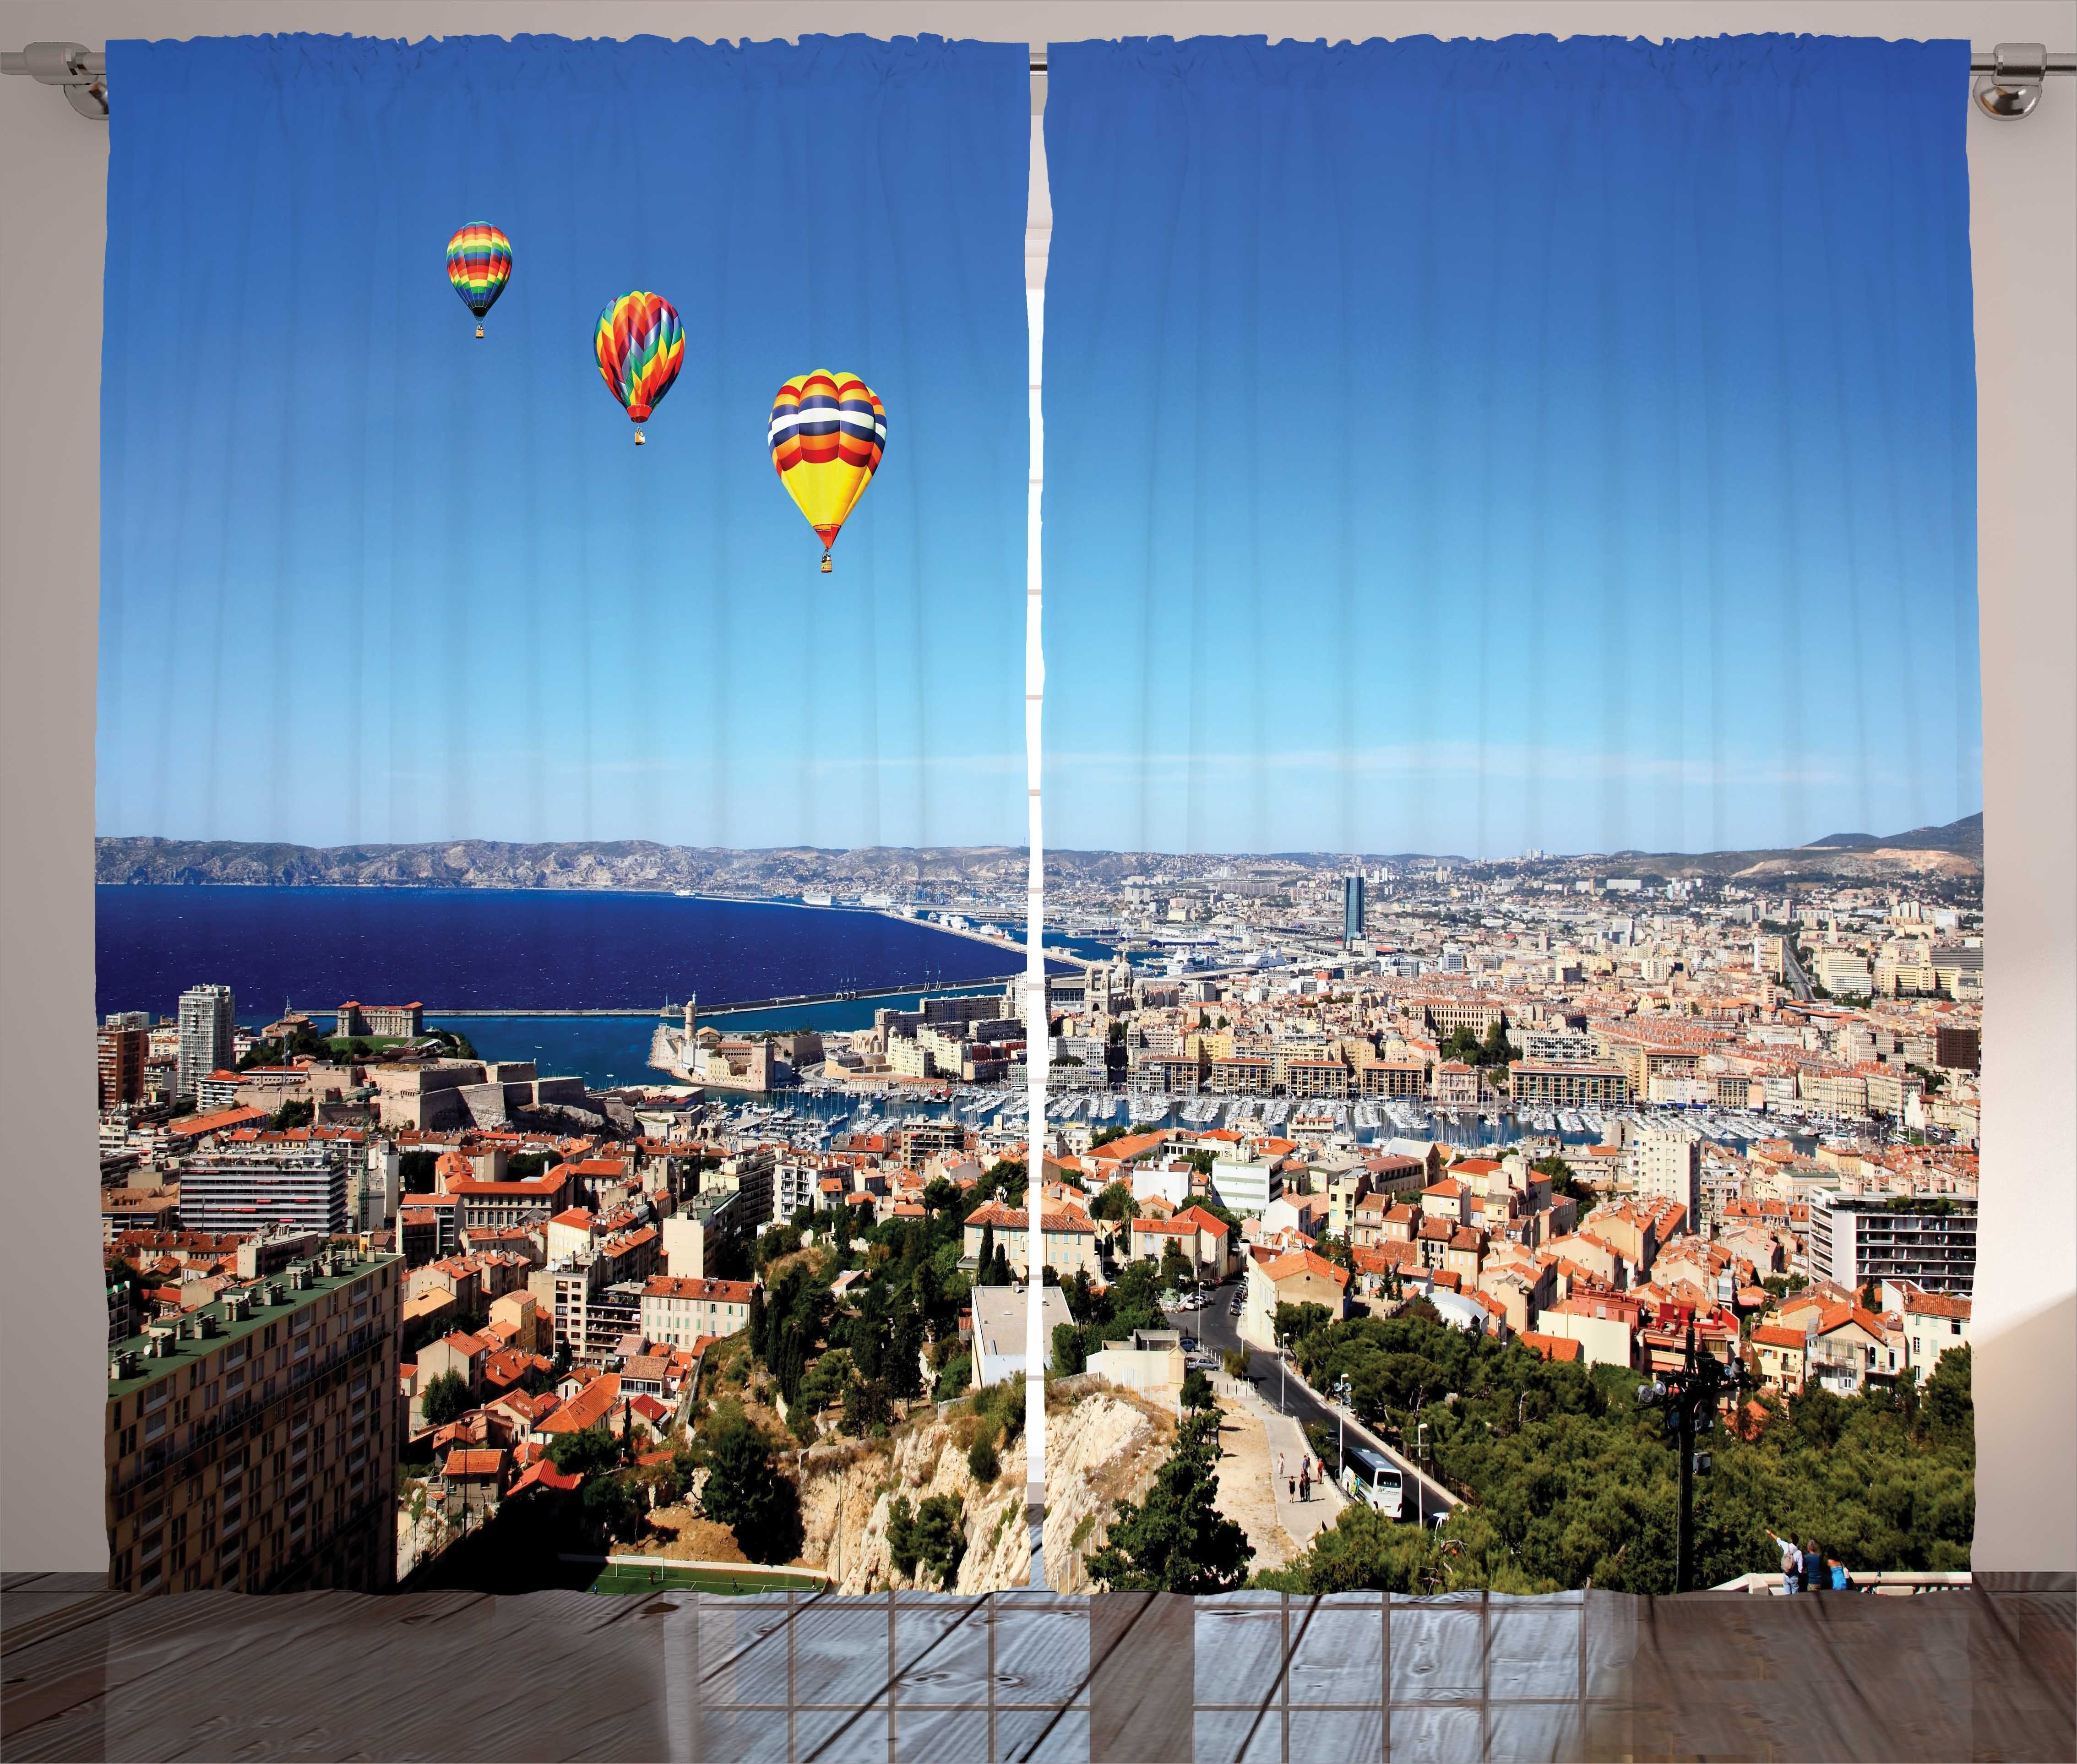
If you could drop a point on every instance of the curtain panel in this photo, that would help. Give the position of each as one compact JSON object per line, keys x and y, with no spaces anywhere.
{"x":1510,"y":560}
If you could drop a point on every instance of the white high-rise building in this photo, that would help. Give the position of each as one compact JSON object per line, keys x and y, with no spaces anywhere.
{"x":1668,"y":1164}
{"x":206,"y":1028}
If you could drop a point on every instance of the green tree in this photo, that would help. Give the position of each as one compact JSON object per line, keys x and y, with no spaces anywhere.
{"x":1178,"y":1274}
{"x":868,"y":1407}
{"x":904,"y":1356}
{"x":1564,"y":1185}
{"x":1197,"y":1390}
{"x":585,"y":1454}
{"x":1295,"y":1322}
{"x":1949,"y":1405}
{"x":1071,"y":1352}
{"x":415,"y":1170}
{"x":1007,"y":1174}
{"x":612,"y":1506}
{"x":446,"y":1399}
{"x":780,"y":1241}
{"x":931,"y":1539}
{"x":1115,"y":1203}
{"x":1363,"y":1551}
{"x":982,"y":1458}
{"x":1176,"y":1539}
{"x":746,"y":1491}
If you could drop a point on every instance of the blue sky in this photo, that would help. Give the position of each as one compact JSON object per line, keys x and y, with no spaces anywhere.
{"x":1457,"y":448}
{"x":1474,"y":447}
{"x":367,"y":579}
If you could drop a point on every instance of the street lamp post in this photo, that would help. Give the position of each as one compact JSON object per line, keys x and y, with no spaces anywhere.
{"x":1341,"y":1439}
{"x":1420,"y":1477}
{"x":1688,"y":1399}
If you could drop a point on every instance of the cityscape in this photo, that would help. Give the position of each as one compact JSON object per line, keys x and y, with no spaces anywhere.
{"x":1378,"y":1185}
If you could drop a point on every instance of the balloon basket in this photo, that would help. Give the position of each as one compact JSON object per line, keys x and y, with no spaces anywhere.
{"x":640,"y":439}
{"x":825,"y":563}
{"x":478,"y":331}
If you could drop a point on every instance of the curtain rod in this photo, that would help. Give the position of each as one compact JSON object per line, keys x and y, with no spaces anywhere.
{"x":2008,"y":83}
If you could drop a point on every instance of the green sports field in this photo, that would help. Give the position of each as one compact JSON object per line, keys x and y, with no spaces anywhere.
{"x":667,"y":1577}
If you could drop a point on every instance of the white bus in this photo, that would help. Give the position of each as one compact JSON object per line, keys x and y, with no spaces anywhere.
{"x":1368,"y":1478}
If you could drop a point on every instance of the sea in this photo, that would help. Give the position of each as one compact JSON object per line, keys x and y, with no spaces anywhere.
{"x":475,"y":956}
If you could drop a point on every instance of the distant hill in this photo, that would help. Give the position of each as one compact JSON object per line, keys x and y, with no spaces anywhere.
{"x":1964,"y":837}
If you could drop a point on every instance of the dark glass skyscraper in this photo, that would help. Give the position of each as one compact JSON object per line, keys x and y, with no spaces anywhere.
{"x":1352,"y":909}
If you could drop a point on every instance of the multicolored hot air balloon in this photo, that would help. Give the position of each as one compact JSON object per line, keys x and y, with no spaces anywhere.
{"x":479,"y":265}
{"x":640,"y":345}
{"x":828,"y":432}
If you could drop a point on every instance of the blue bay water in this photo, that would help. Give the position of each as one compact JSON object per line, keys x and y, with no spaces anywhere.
{"x":481,"y":950}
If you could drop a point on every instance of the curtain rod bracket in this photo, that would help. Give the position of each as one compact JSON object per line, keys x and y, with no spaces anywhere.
{"x":2010,"y":87}
{"x":82,"y":72}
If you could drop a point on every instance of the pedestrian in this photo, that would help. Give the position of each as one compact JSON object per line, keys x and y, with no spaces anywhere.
{"x":1279,"y":1467}
{"x":1304,"y":1482}
{"x":1842,"y":1581}
{"x":1792,"y":1564}
{"x":1817,"y":1577}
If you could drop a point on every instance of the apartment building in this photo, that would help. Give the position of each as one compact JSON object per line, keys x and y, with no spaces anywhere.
{"x":249,"y":1444}
{"x":679,"y":1312}
{"x":303,"y":1188}
{"x":206,"y":1024}
{"x":1568,"y":1083}
{"x":119,"y":1058}
{"x":1930,"y":1241}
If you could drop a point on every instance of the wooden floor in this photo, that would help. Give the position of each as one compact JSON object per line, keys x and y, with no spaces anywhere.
{"x":1987,"y":1674}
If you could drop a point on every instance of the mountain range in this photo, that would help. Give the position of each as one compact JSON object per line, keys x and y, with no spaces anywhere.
{"x":1953,"y":852}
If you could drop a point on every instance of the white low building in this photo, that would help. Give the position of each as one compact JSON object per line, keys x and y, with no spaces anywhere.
{"x":1150,"y":1364}
{"x":1000,"y":1314}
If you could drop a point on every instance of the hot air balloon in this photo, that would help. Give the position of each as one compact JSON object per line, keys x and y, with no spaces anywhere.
{"x":640,"y":345}
{"x":828,"y":432}
{"x":479,"y":265}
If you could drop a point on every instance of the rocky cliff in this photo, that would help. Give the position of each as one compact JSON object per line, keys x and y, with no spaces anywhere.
{"x":1102,"y":1445}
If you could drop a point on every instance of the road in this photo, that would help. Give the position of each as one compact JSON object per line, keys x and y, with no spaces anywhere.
{"x":1792,"y":970}
{"x":1218,"y":1332}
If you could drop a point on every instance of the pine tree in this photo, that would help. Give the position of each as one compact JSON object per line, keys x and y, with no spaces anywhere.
{"x":1176,"y":1539}
{"x":759,"y":1340}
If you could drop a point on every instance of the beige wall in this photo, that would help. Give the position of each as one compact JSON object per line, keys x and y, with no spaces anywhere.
{"x":53,"y":168}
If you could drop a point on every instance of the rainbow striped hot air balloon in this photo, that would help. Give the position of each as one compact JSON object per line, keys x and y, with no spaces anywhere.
{"x":640,"y":345}
{"x":828,"y":432}
{"x":479,"y":265}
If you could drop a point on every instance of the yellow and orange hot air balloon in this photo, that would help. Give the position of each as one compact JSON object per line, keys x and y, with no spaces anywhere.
{"x":828,"y":432}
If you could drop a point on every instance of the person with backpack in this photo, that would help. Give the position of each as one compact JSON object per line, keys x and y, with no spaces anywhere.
{"x":1792,"y":1564}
